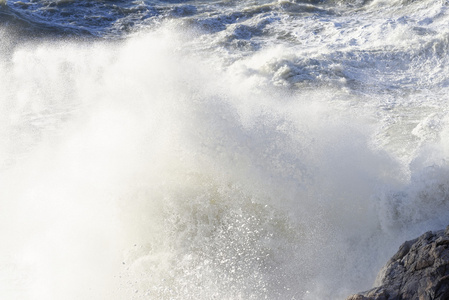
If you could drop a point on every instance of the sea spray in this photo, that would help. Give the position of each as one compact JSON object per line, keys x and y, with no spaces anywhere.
{"x":226,"y":160}
{"x":135,"y":149}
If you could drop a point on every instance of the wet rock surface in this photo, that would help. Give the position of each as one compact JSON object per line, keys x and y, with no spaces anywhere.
{"x":419,"y":270}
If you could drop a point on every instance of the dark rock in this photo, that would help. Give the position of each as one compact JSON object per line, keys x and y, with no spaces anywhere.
{"x":419,"y":270}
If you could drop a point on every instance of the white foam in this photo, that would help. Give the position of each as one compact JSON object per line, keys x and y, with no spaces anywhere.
{"x":143,"y":170}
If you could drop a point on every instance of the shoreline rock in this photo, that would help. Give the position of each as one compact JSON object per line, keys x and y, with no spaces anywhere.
{"x":419,"y":270}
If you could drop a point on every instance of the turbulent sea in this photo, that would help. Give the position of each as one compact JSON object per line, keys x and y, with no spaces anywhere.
{"x":188,"y":149}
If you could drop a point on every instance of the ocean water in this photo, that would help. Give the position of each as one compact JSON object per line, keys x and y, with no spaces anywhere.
{"x":185,"y":149}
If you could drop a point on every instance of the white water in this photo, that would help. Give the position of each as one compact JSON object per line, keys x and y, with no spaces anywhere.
{"x":155,"y":168}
